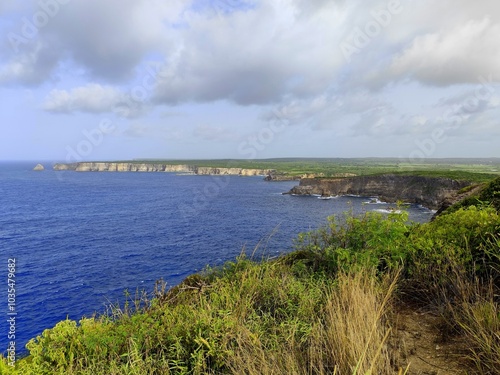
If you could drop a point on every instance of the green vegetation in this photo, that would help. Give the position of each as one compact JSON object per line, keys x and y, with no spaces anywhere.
{"x":479,"y":170}
{"x":329,"y":307}
{"x":488,"y":195}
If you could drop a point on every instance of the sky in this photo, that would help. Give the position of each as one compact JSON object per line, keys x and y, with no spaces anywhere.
{"x":248,"y":79}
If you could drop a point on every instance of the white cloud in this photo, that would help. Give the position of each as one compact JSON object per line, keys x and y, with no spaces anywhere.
{"x":458,"y":55}
{"x":257,"y":56}
{"x":92,"y":98}
{"x":261,"y":52}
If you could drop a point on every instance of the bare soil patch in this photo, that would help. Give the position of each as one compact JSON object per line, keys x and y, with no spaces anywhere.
{"x":425,"y":347}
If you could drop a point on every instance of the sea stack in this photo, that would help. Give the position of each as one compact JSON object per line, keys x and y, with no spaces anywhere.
{"x":39,"y":167}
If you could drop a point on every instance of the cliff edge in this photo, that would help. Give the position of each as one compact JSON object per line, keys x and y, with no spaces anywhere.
{"x":427,"y":191}
{"x":157,"y":167}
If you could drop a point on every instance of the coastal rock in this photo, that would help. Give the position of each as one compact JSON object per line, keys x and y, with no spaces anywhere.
{"x":427,"y":191}
{"x":281,"y":177}
{"x":181,"y":168}
{"x":158,"y":167}
{"x":65,"y":167}
{"x":39,"y":167}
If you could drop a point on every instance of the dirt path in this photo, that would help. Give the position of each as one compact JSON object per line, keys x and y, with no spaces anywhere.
{"x":423,"y":347}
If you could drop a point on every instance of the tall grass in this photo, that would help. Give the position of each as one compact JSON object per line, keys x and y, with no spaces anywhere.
{"x":354,"y":335}
{"x":472,"y":311}
{"x":349,"y":336}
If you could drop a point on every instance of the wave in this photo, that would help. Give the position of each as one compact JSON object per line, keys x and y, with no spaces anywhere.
{"x":374,"y":201}
{"x":388,"y":211}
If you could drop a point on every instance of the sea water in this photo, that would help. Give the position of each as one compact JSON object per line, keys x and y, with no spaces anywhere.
{"x":81,"y":240}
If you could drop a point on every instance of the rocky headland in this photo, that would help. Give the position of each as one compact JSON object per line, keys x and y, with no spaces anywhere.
{"x":430,"y":192}
{"x":158,"y":167}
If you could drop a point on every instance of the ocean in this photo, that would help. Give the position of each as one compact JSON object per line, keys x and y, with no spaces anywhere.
{"x":80,"y":240}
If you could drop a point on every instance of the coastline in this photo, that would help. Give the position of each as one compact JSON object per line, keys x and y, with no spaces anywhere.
{"x":429,"y":192}
{"x":159,"y":167}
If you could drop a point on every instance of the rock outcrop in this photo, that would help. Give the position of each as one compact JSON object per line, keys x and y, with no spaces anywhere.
{"x":39,"y":167}
{"x":427,"y":191}
{"x":482,"y":194}
{"x":157,"y":167}
{"x":281,"y":177}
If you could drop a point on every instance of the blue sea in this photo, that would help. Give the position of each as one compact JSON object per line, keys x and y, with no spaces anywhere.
{"x":80,"y":240}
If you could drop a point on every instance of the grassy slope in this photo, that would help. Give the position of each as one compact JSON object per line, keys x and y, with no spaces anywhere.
{"x":324,"y":308}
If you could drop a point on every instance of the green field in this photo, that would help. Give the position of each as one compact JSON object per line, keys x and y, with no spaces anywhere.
{"x":479,"y":170}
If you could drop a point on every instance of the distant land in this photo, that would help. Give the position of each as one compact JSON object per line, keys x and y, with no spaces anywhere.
{"x":160,"y":167}
{"x":431,"y":183}
{"x":457,"y":168}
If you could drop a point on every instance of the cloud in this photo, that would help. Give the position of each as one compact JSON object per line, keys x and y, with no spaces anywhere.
{"x":282,"y":55}
{"x":458,"y":55}
{"x":255,"y":51}
{"x":92,"y":98}
{"x":31,"y":68}
{"x":470,"y":101}
{"x":109,"y":39}
{"x":256,"y":56}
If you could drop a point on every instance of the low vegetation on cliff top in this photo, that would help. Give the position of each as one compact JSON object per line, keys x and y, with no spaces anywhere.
{"x":330,"y":307}
{"x":477,"y":170}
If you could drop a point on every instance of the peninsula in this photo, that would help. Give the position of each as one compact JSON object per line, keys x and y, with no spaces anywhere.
{"x":159,"y":167}
{"x":430,"y":192}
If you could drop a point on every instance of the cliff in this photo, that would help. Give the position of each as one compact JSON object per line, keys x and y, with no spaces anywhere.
{"x":427,"y":191}
{"x":486,"y":194}
{"x":155,"y":167}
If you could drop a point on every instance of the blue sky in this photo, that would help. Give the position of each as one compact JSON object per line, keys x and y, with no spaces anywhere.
{"x":125,"y":79}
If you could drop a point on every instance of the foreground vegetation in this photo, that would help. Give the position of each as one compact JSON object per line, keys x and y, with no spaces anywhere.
{"x":329,"y":307}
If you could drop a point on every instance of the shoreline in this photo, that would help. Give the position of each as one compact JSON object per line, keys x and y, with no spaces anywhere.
{"x":159,"y":167}
{"x":429,"y":192}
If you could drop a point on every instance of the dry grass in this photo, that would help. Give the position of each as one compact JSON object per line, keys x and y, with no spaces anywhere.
{"x":350,"y":338}
{"x":476,"y":312}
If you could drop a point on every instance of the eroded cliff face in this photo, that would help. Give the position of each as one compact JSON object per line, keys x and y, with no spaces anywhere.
{"x":65,"y":167}
{"x":427,"y":191}
{"x":153,"y":167}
